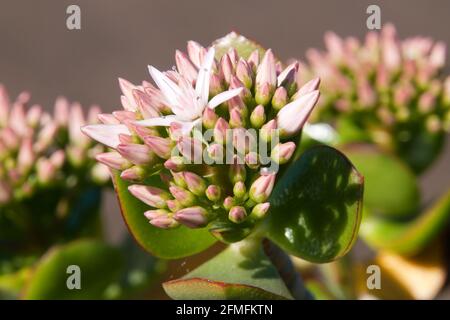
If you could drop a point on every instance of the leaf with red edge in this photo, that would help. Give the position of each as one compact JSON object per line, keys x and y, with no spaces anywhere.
{"x":241,"y":271}
{"x":168,"y":244}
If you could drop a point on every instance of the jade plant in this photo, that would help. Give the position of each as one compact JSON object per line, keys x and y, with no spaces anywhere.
{"x":210,"y":152}
{"x":50,"y":192}
{"x":386,"y":104}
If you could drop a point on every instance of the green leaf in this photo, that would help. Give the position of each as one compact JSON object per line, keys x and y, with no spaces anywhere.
{"x":99,"y":265}
{"x":391,"y":188}
{"x":241,"y":271}
{"x":168,"y":244}
{"x":350,"y":132}
{"x":243,"y":46}
{"x":12,"y":283}
{"x":407,"y":238}
{"x":316,"y":207}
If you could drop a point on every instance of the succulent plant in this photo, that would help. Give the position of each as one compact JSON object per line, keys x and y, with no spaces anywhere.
{"x":49,"y":179}
{"x":39,"y":150}
{"x":210,"y":153}
{"x":385,"y":90}
{"x":160,"y":130}
{"x":50,"y":194}
{"x":389,"y":103}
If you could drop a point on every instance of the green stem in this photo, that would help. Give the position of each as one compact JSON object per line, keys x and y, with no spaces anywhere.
{"x":285,"y":267}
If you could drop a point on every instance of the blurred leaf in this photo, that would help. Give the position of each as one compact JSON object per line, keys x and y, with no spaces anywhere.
{"x":99,"y":264}
{"x":238,"y":272}
{"x":390,"y":187}
{"x":418,"y":277}
{"x":140,"y":272}
{"x":409,"y":237}
{"x":12,"y":283}
{"x":243,"y":46}
{"x":168,"y":244}
{"x":316,"y":206}
{"x":421,"y":149}
{"x":349,"y":132}
{"x":318,"y":290}
{"x":339,"y":278}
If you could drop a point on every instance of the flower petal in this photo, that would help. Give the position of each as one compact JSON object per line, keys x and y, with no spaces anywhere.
{"x":202,"y":84}
{"x":108,"y":134}
{"x":157,"y":122}
{"x":223,"y":96}
{"x":169,"y":88}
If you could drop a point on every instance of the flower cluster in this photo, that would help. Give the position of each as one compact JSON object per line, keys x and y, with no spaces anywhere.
{"x":390,"y":89}
{"x":38,"y":150}
{"x":162,"y":131}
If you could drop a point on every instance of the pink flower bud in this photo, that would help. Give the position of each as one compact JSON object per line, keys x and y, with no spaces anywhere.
{"x":152,"y":196}
{"x":266,"y":73}
{"x":253,"y":59}
{"x":209,"y":118}
{"x":135,"y":173}
{"x":152,"y":214}
{"x":26,"y":155}
{"x":262,"y":188}
{"x":308,"y":87}
{"x":239,"y":189}
{"x":226,"y":67}
{"x":161,"y":146}
{"x":279,"y":98}
{"x":175,"y":164}
{"x":164,"y":222}
{"x":194,"y":183}
{"x":196,"y":53}
{"x":236,"y":118}
{"x":194,"y":217}
{"x":185,"y":197}
{"x":268,"y":130}
{"x":213,"y":193}
{"x":127,"y":89}
{"x":144,"y":104}
{"x":237,"y":171}
{"x":185,"y":68}
{"x":34,"y":115}
{"x":283,"y":152}
{"x":113,"y":160}
{"x":237,"y":214}
{"x":260,"y":210}
{"x":220,"y":131}
{"x":136,"y":153}
{"x":292,"y":117}
{"x":244,"y":73}
{"x":191,"y":149}
{"x":258,"y":117}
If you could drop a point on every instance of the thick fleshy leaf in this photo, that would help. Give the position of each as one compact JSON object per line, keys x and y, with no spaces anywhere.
{"x":316,"y":207}
{"x":167,"y":244}
{"x":12,"y":283}
{"x":243,"y":46}
{"x":238,"y":272}
{"x":99,"y":266}
{"x":411,"y":236}
{"x":140,"y":271}
{"x":390,"y":187}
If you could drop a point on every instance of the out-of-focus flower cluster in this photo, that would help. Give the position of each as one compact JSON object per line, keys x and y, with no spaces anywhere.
{"x":163,"y":131}
{"x":390,"y":89}
{"x":39,"y":150}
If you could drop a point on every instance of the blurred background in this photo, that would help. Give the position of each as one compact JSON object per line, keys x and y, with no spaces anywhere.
{"x":120,"y":38}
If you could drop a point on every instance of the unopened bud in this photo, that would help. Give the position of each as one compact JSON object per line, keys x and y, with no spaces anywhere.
{"x":237,"y":214}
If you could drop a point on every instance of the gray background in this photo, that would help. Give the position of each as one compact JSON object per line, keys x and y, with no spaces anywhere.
{"x":120,"y":38}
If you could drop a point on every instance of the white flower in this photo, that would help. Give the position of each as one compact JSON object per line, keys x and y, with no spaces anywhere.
{"x":186,"y":102}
